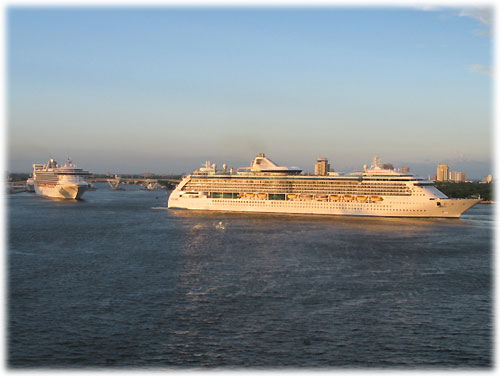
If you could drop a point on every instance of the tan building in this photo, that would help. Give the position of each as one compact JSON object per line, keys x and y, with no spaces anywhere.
{"x":405,"y":169}
{"x":443,"y":171}
{"x":321,"y":167}
{"x":457,"y":177}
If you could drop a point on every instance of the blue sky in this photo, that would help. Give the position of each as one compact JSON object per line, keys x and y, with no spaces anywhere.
{"x":164,"y":89}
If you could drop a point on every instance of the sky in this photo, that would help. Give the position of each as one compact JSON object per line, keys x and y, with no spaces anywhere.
{"x":130,"y":90}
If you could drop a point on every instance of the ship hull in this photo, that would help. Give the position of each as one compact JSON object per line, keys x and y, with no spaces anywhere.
{"x":440,"y":208}
{"x":64,"y":191}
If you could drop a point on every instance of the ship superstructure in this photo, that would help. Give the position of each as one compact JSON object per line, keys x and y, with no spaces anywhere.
{"x":269,"y":188}
{"x":52,"y":180}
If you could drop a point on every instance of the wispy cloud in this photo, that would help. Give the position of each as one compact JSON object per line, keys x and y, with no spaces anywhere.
{"x":481,"y":69}
{"x":428,"y":7}
{"x":482,"y":32}
{"x":484,"y":15}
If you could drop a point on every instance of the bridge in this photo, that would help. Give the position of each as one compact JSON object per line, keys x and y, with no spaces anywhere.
{"x":150,"y":184}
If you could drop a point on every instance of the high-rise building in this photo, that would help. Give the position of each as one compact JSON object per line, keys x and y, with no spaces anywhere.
{"x":457,"y":177}
{"x":443,"y":171}
{"x":487,"y":179}
{"x":388,"y":166}
{"x":321,"y":167}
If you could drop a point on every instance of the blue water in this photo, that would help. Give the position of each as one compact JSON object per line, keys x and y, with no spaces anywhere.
{"x":117,"y":280}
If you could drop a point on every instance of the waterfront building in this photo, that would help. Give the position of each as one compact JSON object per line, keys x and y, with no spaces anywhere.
{"x":443,"y":172}
{"x":321,"y":168}
{"x":405,"y":169}
{"x":457,"y":177}
{"x":487,"y":179}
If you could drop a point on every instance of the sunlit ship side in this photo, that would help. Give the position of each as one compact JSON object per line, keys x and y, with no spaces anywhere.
{"x":52,"y":180}
{"x":268,"y":188}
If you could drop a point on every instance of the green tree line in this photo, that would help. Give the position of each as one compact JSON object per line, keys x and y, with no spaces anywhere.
{"x":464,"y":190}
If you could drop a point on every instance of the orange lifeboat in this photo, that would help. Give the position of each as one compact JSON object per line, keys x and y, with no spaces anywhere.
{"x":376,"y":198}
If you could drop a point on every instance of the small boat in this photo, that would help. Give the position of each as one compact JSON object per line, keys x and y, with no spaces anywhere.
{"x":321,"y":197}
{"x":334,"y":197}
{"x":262,"y":195}
{"x":249,"y":195}
{"x":348,"y":198}
{"x":361,"y":198}
{"x":16,"y":187}
{"x":306,"y":197}
{"x":376,"y":198}
{"x":30,"y":185}
{"x":292,"y":196}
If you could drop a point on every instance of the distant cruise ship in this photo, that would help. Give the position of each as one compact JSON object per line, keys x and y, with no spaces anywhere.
{"x":51,"y":180}
{"x":269,"y":188}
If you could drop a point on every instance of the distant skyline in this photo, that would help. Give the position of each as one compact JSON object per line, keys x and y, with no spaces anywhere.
{"x":130,"y":90}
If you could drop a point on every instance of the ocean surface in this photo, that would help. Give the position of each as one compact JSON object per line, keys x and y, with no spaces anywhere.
{"x":117,"y":280}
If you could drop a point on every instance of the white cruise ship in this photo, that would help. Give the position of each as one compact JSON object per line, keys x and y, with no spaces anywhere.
{"x":52,"y":180}
{"x":266,"y":187}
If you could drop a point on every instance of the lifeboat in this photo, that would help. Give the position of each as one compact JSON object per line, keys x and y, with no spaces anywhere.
{"x":261,"y":195}
{"x":334,"y":197}
{"x":249,"y":195}
{"x":348,"y":198}
{"x":292,"y":196}
{"x":322,"y":197}
{"x":376,"y":198}
{"x":361,"y":198}
{"x":306,"y":197}
{"x":239,"y":195}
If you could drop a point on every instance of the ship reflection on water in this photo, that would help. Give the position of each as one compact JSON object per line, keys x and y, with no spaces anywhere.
{"x":367,"y":224}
